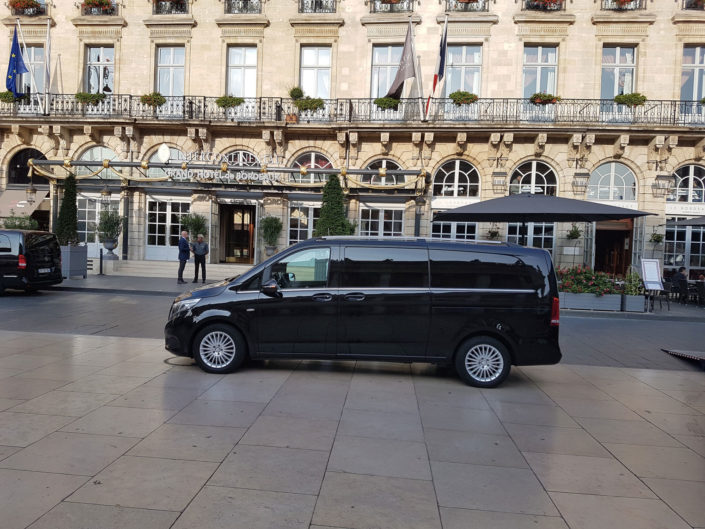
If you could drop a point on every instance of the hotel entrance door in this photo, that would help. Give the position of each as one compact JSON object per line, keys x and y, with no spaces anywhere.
{"x":613,"y":240}
{"x":238,"y":233}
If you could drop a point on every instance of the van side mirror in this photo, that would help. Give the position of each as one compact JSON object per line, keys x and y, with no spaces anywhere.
{"x":271,"y":289}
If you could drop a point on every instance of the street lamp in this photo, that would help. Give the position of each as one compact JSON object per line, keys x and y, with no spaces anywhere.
{"x":581,"y":177}
{"x":31,"y":192}
{"x":420,"y":202}
{"x":105,"y":195}
{"x":662,"y":184}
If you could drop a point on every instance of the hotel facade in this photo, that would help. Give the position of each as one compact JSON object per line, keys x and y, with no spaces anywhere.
{"x":580,"y":144}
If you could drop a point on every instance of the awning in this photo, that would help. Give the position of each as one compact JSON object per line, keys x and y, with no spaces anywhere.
{"x":16,"y":200}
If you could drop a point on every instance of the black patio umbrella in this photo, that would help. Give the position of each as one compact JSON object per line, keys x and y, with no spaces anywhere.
{"x":527,"y":207}
{"x":696,"y":221}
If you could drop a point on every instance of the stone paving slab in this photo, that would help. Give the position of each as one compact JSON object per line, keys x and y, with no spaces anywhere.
{"x":97,"y":431}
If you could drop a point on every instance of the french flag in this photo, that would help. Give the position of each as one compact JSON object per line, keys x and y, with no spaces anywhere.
{"x":440,"y":64}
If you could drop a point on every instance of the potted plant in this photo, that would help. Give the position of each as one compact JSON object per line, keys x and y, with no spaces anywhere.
{"x":194,"y":224}
{"x":332,"y":219}
{"x":229,"y":101}
{"x":493,"y":233}
{"x":632,"y":293}
{"x":542,"y":98}
{"x":621,"y":4}
{"x":632,"y":100}
{"x":311,"y":104}
{"x":9,"y":98}
{"x":295,"y":93}
{"x":461,"y":97}
{"x":74,"y":258}
{"x":96,"y":6}
{"x":109,"y":228}
{"x":387,"y":103}
{"x":574,"y":233}
{"x":28,"y":6}
{"x":19,"y":222}
{"x":656,"y":238}
{"x":587,"y":289}
{"x":154,"y":100}
{"x":546,"y":4}
{"x":271,"y":227}
{"x":89,"y":99}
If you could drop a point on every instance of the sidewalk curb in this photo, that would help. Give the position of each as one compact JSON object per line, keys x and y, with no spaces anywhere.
{"x":124,"y":291}
{"x":648,"y":316}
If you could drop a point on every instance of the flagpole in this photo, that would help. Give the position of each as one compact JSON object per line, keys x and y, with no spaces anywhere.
{"x":47,"y":66}
{"x":440,"y":65}
{"x":29,"y":68}
{"x":416,"y":71}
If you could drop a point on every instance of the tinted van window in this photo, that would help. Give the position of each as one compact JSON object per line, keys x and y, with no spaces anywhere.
{"x":5,"y":244}
{"x":382,"y":267}
{"x":453,"y":269}
{"x":304,"y":269}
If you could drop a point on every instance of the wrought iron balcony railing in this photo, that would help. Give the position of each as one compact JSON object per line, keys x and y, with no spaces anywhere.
{"x":694,"y":4}
{"x":111,"y":10}
{"x":543,"y":5}
{"x":465,"y":6}
{"x":391,"y":6}
{"x":170,"y":7}
{"x":623,"y":5}
{"x":40,"y":10}
{"x":316,"y":6}
{"x":243,"y":7}
{"x":483,"y":113}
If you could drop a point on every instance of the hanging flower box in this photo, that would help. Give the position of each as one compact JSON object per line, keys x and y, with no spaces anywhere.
{"x":541,"y":98}
{"x":104,"y":5}
{"x":461,"y":97}
{"x":631,"y":100}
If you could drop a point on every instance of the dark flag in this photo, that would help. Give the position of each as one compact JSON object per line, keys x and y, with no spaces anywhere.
{"x":15,"y":68}
{"x":406,"y":66}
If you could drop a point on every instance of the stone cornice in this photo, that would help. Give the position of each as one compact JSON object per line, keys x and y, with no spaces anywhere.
{"x":99,"y":21}
{"x":391,"y":18}
{"x":544,"y":18}
{"x":624,"y":18}
{"x":468,"y":18}
{"x":170,"y":20}
{"x":242,"y":20}
{"x":317,"y":20}
{"x":29,"y":21}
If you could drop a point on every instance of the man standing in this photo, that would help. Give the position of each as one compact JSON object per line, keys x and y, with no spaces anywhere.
{"x":183,"y":255}
{"x":200,"y":250}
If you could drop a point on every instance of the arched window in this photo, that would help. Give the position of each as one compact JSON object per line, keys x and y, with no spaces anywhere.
{"x":242,"y":158}
{"x":456,"y":178}
{"x":97,"y":154}
{"x":175,"y":155}
{"x":311,"y":160}
{"x":533,"y":177}
{"x":612,"y":181}
{"x":690,"y":184}
{"x":18,"y":169}
{"x":378,"y":180}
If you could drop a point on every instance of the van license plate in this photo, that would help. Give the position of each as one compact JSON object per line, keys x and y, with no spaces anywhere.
{"x":44,"y":270}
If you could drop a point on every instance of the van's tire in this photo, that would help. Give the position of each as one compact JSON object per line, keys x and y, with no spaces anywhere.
{"x":219,"y":348}
{"x":482,"y":362}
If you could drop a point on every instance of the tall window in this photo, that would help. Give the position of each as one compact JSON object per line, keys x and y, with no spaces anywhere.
{"x":385,"y":63}
{"x":381,"y":222}
{"x":164,"y":222}
{"x":100,"y":70}
{"x":538,"y":234}
{"x":685,"y":246}
{"x":693,"y":73}
{"x":97,"y":154}
{"x":170,"y":70}
{"x":533,"y":177}
{"x":383,"y":180}
{"x":461,"y":231}
{"x":612,"y":181}
{"x":311,"y":160}
{"x":242,"y":71}
{"x":315,"y":71}
{"x":618,"y":71}
{"x":456,"y":178}
{"x":34,"y":60}
{"x":464,"y":67}
{"x":690,"y":185}
{"x":540,"y":67}
{"x":302,"y":221}
{"x":88,"y":211}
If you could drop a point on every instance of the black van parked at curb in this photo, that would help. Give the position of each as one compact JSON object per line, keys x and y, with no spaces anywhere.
{"x":29,"y":260}
{"x":481,"y":307}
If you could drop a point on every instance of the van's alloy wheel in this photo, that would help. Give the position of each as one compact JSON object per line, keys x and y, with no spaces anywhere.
{"x":483,"y":362}
{"x":219,"y":349}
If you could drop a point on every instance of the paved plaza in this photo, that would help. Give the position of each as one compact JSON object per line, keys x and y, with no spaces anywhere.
{"x":101,"y":431}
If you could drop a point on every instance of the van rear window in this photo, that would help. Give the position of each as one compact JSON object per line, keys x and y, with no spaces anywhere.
{"x":33,"y":240}
{"x":379,"y":267}
{"x":454,"y":269}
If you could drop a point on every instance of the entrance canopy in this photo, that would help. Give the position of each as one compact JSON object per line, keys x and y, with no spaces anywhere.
{"x":697,"y":221}
{"x":525,"y":207}
{"x":15,"y":200}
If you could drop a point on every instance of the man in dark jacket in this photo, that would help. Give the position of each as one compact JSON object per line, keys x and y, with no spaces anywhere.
{"x":184,"y":253}
{"x":200,"y":250}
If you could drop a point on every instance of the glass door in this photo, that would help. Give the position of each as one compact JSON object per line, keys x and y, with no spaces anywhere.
{"x":238,"y":233}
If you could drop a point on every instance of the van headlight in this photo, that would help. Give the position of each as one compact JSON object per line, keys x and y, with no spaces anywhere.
{"x":183,"y":307}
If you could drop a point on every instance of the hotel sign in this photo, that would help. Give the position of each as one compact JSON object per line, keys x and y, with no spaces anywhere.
{"x":198,"y":174}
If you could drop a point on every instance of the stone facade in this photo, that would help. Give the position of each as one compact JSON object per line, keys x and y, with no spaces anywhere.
{"x":658,"y":32}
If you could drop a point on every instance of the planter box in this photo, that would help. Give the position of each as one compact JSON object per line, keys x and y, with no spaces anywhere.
{"x":633,"y":304}
{"x":74,"y":261}
{"x":570,"y":300}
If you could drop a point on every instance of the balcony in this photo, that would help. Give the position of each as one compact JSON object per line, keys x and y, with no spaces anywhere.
{"x":623,"y":5}
{"x":316,"y":6}
{"x":391,"y":6}
{"x":243,"y":7}
{"x":467,"y":6}
{"x":483,"y":113}
{"x":543,"y":5}
{"x":36,"y":9}
{"x":108,"y":10}
{"x":698,"y":5}
{"x":170,"y":7}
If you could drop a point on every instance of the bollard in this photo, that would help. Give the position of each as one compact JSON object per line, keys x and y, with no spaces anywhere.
{"x":100,"y":273}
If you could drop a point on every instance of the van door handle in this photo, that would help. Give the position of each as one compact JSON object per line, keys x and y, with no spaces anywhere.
{"x":322,"y":297}
{"x":355,"y":296}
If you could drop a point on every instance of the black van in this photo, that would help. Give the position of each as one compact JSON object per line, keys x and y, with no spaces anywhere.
{"x":480,"y":306}
{"x":29,"y":260}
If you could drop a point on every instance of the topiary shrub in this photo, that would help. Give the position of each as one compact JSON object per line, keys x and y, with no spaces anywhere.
{"x":67,"y":222}
{"x":194,"y":224}
{"x":332,"y":220}
{"x":271,"y":227}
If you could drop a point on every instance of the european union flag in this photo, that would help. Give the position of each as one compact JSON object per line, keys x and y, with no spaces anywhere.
{"x":15,"y":68}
